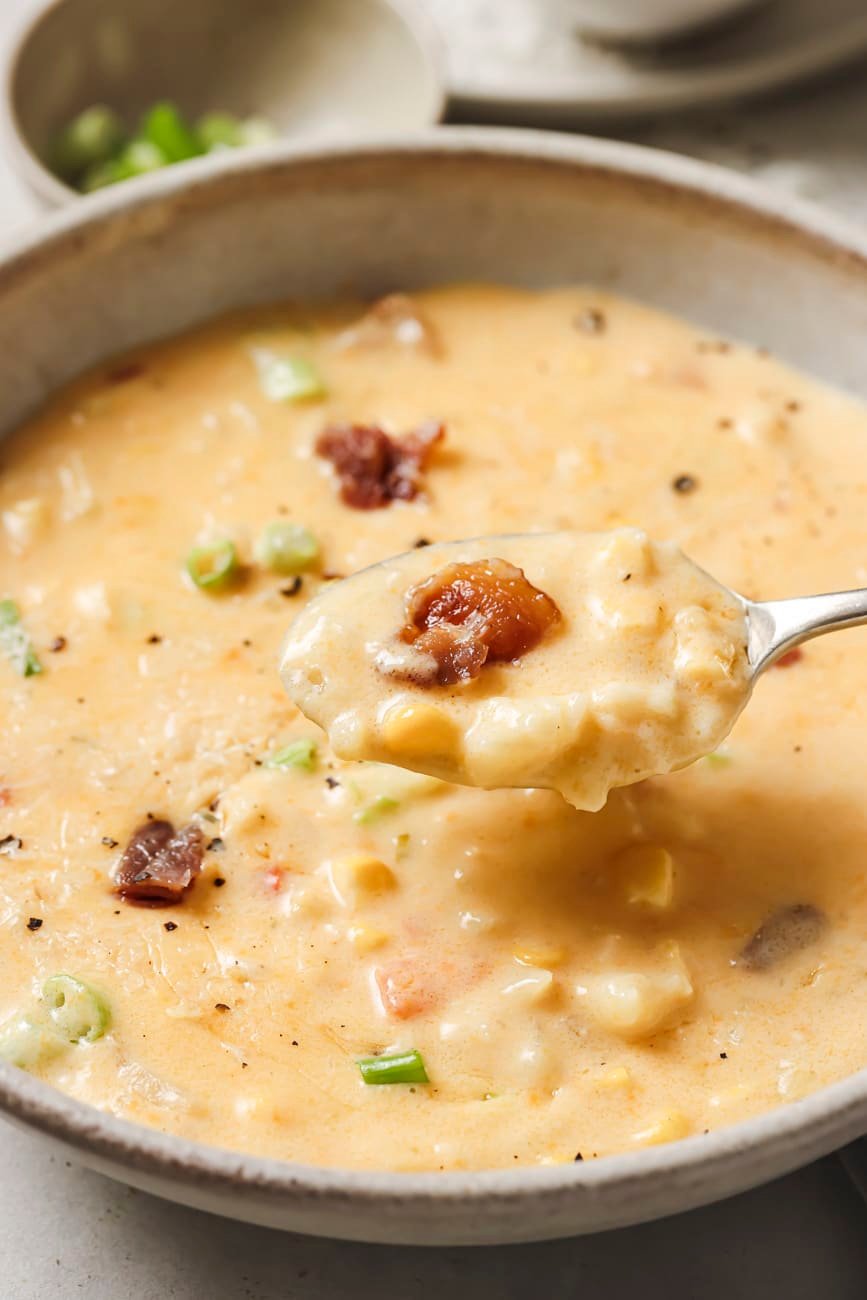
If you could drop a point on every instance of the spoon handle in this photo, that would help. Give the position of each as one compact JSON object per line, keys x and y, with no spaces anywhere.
{"x":776,"y":626}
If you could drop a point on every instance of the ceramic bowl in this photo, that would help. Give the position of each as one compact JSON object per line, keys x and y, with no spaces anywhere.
{"x":649,"y":21}
{"x":316,"y":68}
{"x":150,"y":259}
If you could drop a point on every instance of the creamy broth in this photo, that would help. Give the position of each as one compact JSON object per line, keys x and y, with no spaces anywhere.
{"x":641,"y":669}
{"x":574,"y":982}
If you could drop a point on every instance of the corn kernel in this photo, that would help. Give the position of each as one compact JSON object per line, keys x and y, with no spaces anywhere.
{"x":365,"y":938}
{"x":668,"y":1127}
{"x":540,"y":955}
{"x":617,"y":1078}
{"x":418,"y":730}
{"x":646,"y":875}
{"x":364,"y":873}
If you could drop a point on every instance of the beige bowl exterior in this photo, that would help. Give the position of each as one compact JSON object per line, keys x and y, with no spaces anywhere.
{"x":153,"y":258}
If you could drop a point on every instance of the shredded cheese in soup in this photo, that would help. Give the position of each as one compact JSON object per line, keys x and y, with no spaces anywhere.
{"x":212,"y":924}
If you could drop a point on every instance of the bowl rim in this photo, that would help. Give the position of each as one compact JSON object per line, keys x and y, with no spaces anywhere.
{"x":792,"y":1133}
{"x":42,"y":181}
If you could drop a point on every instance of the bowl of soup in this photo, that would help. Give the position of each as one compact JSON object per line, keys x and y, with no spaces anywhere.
{"x":343,"y":997}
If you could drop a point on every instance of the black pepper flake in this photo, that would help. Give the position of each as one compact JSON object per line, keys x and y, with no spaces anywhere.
{"x":292,"y":588}
{"x":154,"y":638}
{"x":590,"y":321}
{"x":219,"y":881}
{"x":626,"y":577}
{"x":420,"y":542}
{"x":332,"y":782}
{"x":222,"y":1006}
{"x":109,"y":842}
{"x":684,"y":483}
{"x":214,"y":804}
{"x":216,"y":845}
{"x":243,"y":1065}
{"x":34,"y":923}
{"x":294,"y":1042}
{"x":10,"y":844}
{"x":59,"y":643}
{"x":723,"y":1056}
{"x":246,"y":642}
{"x":170,"y":925}
{"x":578,"y":1158}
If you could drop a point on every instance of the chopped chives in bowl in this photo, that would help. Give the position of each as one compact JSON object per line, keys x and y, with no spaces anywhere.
{"x":15,"y":644}
{"x":396,"y":1067}
{"x":286,"y":548}
{"x":97,"y":148}
{"x":299,"y":753}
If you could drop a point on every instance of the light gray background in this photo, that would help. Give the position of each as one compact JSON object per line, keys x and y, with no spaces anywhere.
{"x":68,"y":1233}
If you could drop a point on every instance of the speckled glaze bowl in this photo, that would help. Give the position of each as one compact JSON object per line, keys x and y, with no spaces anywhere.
{"x":155,"y":256}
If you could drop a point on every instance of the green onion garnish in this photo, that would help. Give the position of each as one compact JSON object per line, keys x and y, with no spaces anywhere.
{"x":164,"y":127}
{"x":91,"y":138}
{"x":286,"y":548}
{"x":79,"y":1012}
{"x":214,"y":567}
{"x":397,"y":1067}
{"x":219,"y":131}
{"x":299,"y":753}
{"x":719,"y":758}
{"x":284,"y":378}
{"x":27,"y":1044}
{"x":378,"y":807}
{"x":14,"y":641}
{"x":256,"y":130}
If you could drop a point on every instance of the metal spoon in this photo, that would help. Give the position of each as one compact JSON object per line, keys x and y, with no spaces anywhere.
{"x":776,"y":626}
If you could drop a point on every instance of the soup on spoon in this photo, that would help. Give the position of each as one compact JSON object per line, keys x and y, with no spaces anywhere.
{"x":573,"y":661}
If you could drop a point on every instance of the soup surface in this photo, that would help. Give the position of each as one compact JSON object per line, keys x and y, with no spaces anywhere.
{"x":626,"y":661}
{"x":244,"y":916}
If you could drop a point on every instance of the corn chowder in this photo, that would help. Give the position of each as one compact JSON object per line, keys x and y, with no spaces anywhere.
{"x":212,"y":924}
{"x":641,"y":665}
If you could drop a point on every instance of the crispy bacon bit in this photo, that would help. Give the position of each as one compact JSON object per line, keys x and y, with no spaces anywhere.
{"x":159,"y":864}
{"x":786,"y":931}
{"x":375,"y":468}
{"x":790,"y":657}
{"x":468,"y":615}
{"x":392,"y":319}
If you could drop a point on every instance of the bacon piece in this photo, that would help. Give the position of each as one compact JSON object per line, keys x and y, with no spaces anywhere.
{"x":375,"y":468}
{"x":159,"y":864}
{"x":394,"y":319}
{"x":468,"y":615}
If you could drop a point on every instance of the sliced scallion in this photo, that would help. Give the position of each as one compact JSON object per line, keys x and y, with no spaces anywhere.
{"x":299,"y":753}
{"x":381,"y":806}
{"x":27,"y":1044}
{"x":285,"y":378}
{"x":256,"y":130}
{"x":91,"y":138}
{"x":219,"y":131}
{"x":164,"y":127}
{"x":396,"y":1067}
{"x":79,"y":1012}
{"x":213,"y":567}
{"x":286,"y":548}
{"x":14,"y":641}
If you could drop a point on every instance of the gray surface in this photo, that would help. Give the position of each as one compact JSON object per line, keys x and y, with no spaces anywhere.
{"x":66,"y":1233}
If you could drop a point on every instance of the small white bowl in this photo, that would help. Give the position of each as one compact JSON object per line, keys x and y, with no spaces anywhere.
{"x":318,"y":69}
{"x":647,"y":21}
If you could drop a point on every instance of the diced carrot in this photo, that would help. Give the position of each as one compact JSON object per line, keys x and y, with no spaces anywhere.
{"x":404,"y":989}
{"x":789,"y":658}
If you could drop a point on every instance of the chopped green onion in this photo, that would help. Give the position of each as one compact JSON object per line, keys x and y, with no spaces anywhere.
{"x":285,"y":378}
{"x":719,"y":758}
{"x":397,"y":1067}
{"x":14,"y":641}
{"x":300,"y":754}
{"x":219,"y":131}
{"x":91,"y":138}
{"x":164,"y":127}
{"x":256,"y":130}
{"x":79,"y":1012}
{"x":140,"y":157}
{"x":286,"y":548}
{"x":214,"y":567}
{"x":378,"y":807}
{"x":27,"y":1044}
